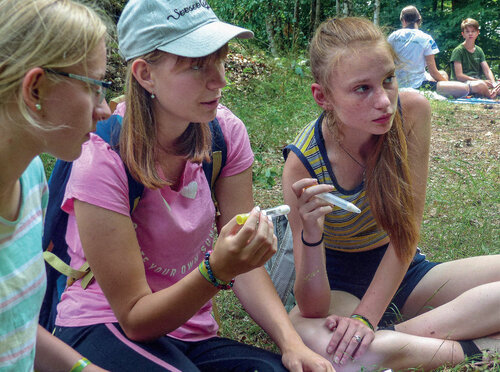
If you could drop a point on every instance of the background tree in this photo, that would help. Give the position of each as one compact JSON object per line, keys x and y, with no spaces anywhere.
{"x":376,"y":13}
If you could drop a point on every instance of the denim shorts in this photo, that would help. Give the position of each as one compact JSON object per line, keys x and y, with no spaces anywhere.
{"x":353,"y":272}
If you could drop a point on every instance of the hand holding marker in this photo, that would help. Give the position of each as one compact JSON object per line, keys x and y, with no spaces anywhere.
{"x":271,"y":212}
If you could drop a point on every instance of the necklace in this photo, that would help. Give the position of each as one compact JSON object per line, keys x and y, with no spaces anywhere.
{"x":352,"y":157}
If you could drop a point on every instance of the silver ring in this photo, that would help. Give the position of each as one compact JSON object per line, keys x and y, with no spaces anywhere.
{"x":357,"y":338}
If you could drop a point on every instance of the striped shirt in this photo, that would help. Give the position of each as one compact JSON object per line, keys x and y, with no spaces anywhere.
{"x":22,"y":273}
{"x":343,"y":231}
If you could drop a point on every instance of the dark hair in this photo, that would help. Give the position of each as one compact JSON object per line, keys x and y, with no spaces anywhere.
{"x":411,"y":16}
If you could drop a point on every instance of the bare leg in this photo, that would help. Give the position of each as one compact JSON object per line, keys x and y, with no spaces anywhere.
{"x":471,"y":315}
{"x":389,"y":349}
{"x":458,"y":300}
{"x":455,"y":89}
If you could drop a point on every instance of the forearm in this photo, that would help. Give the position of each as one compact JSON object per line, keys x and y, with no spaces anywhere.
{"x":159,"y":313}
{"x":54,"y":355}
{"x":463,"y":77}
{"x":436,"y":75}
{"x":435,"y":72}
{"x":258,"y":296}
{"x":312,"y":289}
{"x":384,"y":285}
{"x":487,"y":72}
{"x":431,"y":66}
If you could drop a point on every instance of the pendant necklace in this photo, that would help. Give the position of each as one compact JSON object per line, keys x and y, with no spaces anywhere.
{"x":353,"y":158}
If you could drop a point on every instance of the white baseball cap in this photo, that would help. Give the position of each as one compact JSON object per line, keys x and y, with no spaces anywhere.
{"x":187,"y":28}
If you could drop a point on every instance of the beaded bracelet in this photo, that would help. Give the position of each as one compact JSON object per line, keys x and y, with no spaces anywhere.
{"x":310,"y":244}
{"x":363,"y":320}
{"x":206,"y":272}
{"x":80,"y":365}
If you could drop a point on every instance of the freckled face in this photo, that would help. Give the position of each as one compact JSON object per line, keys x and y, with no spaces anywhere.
{"x":364,"y":90}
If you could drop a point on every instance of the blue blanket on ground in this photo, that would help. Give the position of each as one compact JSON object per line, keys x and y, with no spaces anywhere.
{"x":484,"y":101}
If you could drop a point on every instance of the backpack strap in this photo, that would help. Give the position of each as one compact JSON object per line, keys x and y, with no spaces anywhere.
{"x":72,"y":274}
{"x":219,"y":156}
{"x":109,"y":131}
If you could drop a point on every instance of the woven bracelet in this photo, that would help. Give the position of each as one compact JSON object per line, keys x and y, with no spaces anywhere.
{"x":206,"y":272}
{"x":363,"y":320}
{"x":310,"y":244}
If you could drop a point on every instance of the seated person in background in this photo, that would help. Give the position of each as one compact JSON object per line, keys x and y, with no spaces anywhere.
{"x":469,"y":62}
{"x":416,"y":50}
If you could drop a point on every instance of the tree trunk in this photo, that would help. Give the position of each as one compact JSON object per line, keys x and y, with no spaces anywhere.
{"x":434,"y":5}
{"x":337,"y":8}
{"x":376,"y":13}
{"x":347,"y":8}
{"x":295,"y":23}
{"x":296,"y":15}
{"x":312,"y":18}
{"x":271,"y":36}
{"x":317,"y":15}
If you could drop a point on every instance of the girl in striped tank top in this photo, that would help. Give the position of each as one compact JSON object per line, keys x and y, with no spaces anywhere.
{"x":356,"y":272}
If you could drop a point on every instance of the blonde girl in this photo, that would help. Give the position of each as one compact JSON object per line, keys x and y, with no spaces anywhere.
{"x":52,"y":61}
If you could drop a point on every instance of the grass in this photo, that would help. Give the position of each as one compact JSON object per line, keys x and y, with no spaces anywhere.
{"x":461,"y":216}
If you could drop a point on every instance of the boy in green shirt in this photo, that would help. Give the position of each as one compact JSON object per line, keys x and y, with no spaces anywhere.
{"x":469,"y":63}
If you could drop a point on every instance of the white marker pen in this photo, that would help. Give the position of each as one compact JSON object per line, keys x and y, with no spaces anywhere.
{"x":339,"y":202}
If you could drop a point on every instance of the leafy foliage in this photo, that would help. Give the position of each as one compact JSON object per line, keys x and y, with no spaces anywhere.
{"x":292,"y":30}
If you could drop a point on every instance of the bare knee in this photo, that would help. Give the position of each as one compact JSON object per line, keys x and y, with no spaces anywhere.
{"x":479,"y":87}
{"x":312,"y":331}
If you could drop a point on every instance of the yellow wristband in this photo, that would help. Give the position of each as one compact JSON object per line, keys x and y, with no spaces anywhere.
{"x":363,"y":320}
{"x":204,"y":272}
{"x":80,"y":365}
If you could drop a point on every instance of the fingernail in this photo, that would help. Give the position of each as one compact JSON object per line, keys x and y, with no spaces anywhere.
{"x":336,"y":360}
{"x":257,"y":208}
{"x":329,"y":350}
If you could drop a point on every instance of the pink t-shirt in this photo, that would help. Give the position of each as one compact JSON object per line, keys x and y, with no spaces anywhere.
{"x":174,"y":228}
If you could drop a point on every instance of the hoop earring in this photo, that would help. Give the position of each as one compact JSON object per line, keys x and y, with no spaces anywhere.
{"x":38,"y":106}
{"x":153,"y":96}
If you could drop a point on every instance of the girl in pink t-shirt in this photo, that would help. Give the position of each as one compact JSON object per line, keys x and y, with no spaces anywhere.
{"x":155,"y":269}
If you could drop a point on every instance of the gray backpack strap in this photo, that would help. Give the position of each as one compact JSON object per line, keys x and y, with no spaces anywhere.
{"x":281,"y":267}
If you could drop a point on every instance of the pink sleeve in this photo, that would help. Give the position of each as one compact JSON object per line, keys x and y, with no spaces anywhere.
{"x":239,"y":153}
{"x":98,"y":177}
{"x":120,"y":109}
